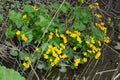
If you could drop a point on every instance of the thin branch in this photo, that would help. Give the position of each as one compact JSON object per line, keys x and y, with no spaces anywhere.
{"x":116,"y":76}
{"x":106,"y":71}
{"x":35,"y":73}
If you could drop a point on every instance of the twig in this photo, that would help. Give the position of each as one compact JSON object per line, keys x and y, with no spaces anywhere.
{"x":112,"y":49}
{"x":35,"y":73}
{"x":116,"y":76}
{"x":106,"y":71}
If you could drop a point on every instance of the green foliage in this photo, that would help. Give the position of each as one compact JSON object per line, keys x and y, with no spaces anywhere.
{"x":61,"y":37}
{"x":1,"y":17}
{"x":13,"y":52}
{"x":9,"y":74}
{"x":117,"y":46}
{"x":9,"y":32}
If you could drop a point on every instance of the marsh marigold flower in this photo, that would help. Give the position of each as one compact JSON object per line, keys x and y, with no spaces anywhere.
{"x":51,"y":35}
{"x":24,"y":16}
{"x":98,"y":54}
{"x":24,"y":38}
{"x":27,"y":62}
{"x":37,"y":49}
{"x":109,"y":20}
{"x":84,"y":59}
{"x":76,"y":62}
{"x":99,"y":16}
{"x":74,"y":48}
{"x":107,"y":39}
{"x":35,"y":8}
{"x":18,"y":32}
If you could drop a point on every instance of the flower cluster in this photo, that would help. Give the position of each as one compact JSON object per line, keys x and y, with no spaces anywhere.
{"x":93,"y":49}
{"x":23,"y":36}
{"x":76,"y":62}
{"x":64,"y":38}
{"x":55,"y":54}
{"x":75,"y":34}
{"x":27,"y":62}
{"x":106,"y":39}
{"x":101,"y":26}
{"x":94,"y":6}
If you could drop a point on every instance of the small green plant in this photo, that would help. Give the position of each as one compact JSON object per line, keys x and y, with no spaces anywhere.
{"x":64,"y":36}
{"x":9,"y":74}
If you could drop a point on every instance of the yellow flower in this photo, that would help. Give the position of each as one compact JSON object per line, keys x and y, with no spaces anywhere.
{"x":89,"y":51}
{"x":50,"y":46}
{"x":57,"y":33}
{"x":109,"y":20}
{"x":26,"y":65}
{"x":68,"y":32}
{"x":87,"y":42}
{"x":52,"y":64}
{"x":50,"y":60}
{"x":74,"y":48}
{"x":96,"y":3}
{"x":24,"y":38}
{"x":92,"y":40}
{"x":84,"y":59}
{"x":98,"y":54}
{"x":64,"y":56}
{"x":62,"y":45}
{"x":64,"y":38}
{"x":24,"y":16}
{"x":27,"y":58}
{"x":82,"y":1}
{"x":99,"y":16}
{"x":79,"y":39}
{"x":54,"y":54}
{"x":27,"y":62}
{"x":18,"y":32}
{"x":77,"y":32}
{"x":99,"y":43}
{"x":91,"y":6}
{"x":37,"y":49}
{"x":50,"y":35}
{"x":76,"y":62}
{"x":102,"y":23}
{"x":73,"y":35}
{"x":35,"y":8}
{"x":85,"y":53}
{"x":107,"y":39}
{"x":45,"y":56}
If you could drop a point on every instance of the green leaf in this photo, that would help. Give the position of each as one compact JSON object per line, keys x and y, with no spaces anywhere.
{"x":117,"y":46}
{"x":119,"y":36}
{"x":62,"y":64}
{"x":1,"y":17}
{"x":9,"y":74}
{"x":98,"y":34}
{"x":55,"y":5}
{"x":79,"y":26}
{"x":41,"y":66}
{"x":9,"y":32}
{"x":13,"y":52}
{"x":63,"y":69}
{"x":16,"y":17}
{"x":29,"y":35}
{"x":28,"y":8}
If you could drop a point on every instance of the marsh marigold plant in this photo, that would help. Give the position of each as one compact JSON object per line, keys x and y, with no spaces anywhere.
{"x":50,"y":42}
